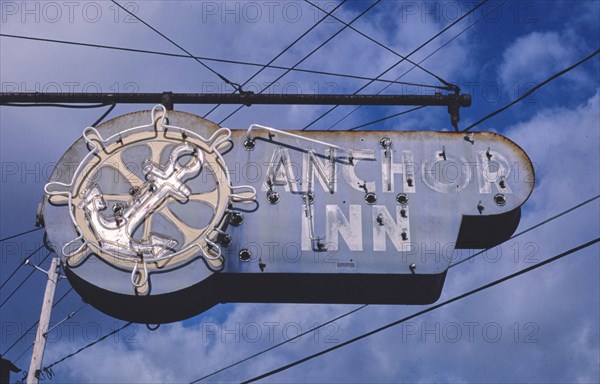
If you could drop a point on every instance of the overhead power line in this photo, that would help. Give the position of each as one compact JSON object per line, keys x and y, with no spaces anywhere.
{"x":23,"y":353}
{"x":87,"y":346}
{"x":237,"y":62}
{"x":420,"y":62}
{"x":427,"y":310}
{"x":106,"y":113}
{"x":385,"y":118}
{"x":62,"y":297}
{"x":59,"y":105}
{"x":361,"y":307}
{"x":526,"y":94}
{"x":285,"y":50}
{"x":358,"y":308}
{"x":23,"y":282}
{"x":21,"y":264}
{"x":226,"y":80}
{"x":279,"y":344}
{"x":366,"y":305}
{"x":450,"y":86}
{"x":529,"y":229}
{"x":20,"y":234}
{"x":403,"y":59}
{"x":48,"y":373}
{"x":14,"y":272}
{"x":452,"y":39}
{"x":311,"y":53}
{"x":35,"y":324}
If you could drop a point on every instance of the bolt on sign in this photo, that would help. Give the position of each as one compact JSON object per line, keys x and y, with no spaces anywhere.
{"x":159,"y":215}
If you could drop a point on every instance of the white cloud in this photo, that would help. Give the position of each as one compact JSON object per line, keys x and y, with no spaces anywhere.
{"x":564,"y":146}
{"x":534,"y":57}
{"x":563,"y":142}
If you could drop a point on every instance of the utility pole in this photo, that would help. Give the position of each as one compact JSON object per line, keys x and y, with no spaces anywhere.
{"x":40,"y":337}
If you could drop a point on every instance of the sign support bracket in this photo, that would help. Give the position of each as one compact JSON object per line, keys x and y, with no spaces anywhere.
{"x":452,"y":101}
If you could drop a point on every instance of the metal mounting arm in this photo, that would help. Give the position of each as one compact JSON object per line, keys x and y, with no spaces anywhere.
{"x":453,"y":101}
{"x":246,"y":98}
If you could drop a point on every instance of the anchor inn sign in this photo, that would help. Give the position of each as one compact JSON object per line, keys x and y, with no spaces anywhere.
{"x":159,"y":215}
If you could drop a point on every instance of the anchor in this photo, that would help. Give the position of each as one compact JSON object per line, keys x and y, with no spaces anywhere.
{"x":115,"y":233}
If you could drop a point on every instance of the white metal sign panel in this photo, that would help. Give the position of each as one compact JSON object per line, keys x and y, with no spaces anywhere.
{"x":164,"y":204}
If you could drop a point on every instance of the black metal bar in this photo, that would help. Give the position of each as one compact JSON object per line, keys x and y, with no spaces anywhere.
{"x":450,"y":100}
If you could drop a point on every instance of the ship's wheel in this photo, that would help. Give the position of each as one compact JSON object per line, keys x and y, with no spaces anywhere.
{"x":149,"y":198}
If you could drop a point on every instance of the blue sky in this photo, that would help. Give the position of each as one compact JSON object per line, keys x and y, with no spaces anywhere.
{"x":541,"y":327}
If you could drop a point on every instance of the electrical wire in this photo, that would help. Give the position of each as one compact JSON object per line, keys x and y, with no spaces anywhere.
{"x":337,"y":318}
{"x":315,"y":25}
{"x":36,"y":323}
{"x":366,"y":305}
{"x":22,"y":263}
{"x":280,"y":344}
{"x":359,"y":308}
{"x":72,"y":106}
{"x":420,"y":62}
{"x":23,"y":353}
{"x":20,"y":234}
{"x":13,"y":273}
{"x":389,"y":82}
{"x":48,"y":370}
{"x":87,"y":346}
{"x":237,"y":62}
{"x":532,"y":90}
{"x":226,"y":80}
{"x":452,"y":39}
{"x":449,"y":86}
{"x":62,"y":297}
{"x":499,"y":110}
{"x":345,"y":314}
{"x":23,"y":282}
{"x":427,"y":310}
{"x":386,"y":118}
{"x":407,"y":56}
{"x":528,"y":229}
{"x":106,"y":113}
{"x":309,"y":54}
